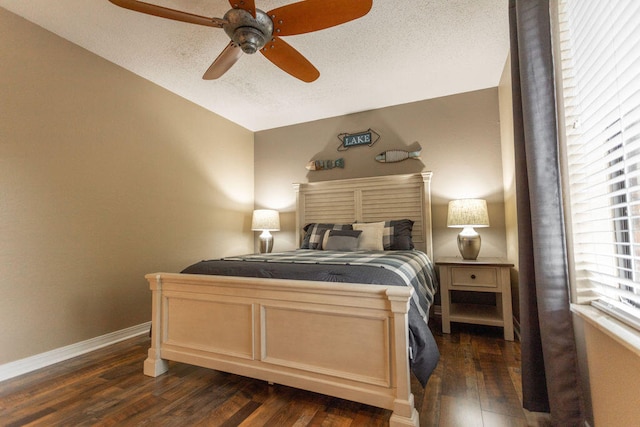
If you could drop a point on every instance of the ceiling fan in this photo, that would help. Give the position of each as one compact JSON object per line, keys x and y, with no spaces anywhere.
{"x":251,"y":29}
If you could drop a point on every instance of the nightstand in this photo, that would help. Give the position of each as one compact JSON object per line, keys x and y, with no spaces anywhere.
{"x":481,"y":275}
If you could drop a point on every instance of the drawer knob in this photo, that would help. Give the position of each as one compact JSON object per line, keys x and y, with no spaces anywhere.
{"x":473,"y":276}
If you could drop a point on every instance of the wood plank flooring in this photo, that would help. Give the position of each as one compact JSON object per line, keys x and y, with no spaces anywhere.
{"x":476,"y":383}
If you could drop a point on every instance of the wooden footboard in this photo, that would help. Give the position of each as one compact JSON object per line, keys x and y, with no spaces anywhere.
{"x":343,"y":340}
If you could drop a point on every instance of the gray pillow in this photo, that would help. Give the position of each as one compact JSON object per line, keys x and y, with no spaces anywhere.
{"x":397,"y":235}
{"x":342,"y":240}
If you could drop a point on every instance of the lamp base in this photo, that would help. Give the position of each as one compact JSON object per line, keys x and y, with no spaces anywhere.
{"x":469,"y":243}
{"x":266,"y":242}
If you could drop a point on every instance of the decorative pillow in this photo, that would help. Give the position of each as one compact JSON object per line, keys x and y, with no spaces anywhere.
{"x":341,"y":240}
{"x":397,"y":235}
{"x":371,"y":237}
{"x":314,"y":232}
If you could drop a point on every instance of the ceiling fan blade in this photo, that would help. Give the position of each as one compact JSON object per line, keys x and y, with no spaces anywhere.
{"x":313,"y":15}
{"x":223,"y":62}
{"x":288,"y":59}
{"x":248,"y":5}
{"x":165,"y":12}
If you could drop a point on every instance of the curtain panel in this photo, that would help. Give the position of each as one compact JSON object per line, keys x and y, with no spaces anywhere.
{"x":550,"y":377}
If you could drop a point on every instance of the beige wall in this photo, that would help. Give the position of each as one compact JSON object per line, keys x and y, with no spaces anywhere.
{"x":460,"y":139}
{"x":103,"y":177}
{"x":613,"y":371}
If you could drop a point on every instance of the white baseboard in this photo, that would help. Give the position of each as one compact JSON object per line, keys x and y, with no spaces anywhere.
{"x":38,"y":361}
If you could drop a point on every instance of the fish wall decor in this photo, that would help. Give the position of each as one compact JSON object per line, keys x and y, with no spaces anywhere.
{"x":318,"y":165}
{"x":391,"y":156}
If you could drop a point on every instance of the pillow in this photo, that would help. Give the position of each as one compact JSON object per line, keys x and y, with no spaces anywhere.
{"x":314,"y":233}
{"x":341,"y":240}
{"x":371,"y":237}
{"x":397,"y":235}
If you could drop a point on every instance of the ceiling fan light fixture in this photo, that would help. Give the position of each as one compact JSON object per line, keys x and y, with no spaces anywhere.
{"x":250,"y":33}
{"x":249,"y":39}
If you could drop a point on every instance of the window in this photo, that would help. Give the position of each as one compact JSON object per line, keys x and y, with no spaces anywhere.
{"x":600,"y":73}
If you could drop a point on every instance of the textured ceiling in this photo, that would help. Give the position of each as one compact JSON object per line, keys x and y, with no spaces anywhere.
{"x":401,"y":51}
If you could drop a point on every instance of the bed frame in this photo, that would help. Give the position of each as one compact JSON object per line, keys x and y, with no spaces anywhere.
{"x":344,"y":340}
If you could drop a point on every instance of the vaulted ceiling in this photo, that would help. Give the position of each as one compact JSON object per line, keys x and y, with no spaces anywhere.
{"x":401,"y":51}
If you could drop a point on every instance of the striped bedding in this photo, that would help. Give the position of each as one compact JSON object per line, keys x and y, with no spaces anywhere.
{"x":412,"y":266}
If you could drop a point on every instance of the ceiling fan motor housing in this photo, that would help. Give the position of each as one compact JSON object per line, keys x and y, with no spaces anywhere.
{"x":250,"y":33}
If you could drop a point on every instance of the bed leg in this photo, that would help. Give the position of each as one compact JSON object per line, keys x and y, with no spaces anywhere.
{"x":398,"y":421}
{"x":404,"y":414}
{"x":155,"y":366}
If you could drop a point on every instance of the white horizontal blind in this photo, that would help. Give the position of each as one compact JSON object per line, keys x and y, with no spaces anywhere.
{"x":600,"y":49}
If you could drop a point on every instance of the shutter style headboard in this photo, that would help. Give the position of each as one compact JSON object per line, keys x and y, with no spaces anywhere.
{"x":372,"y":199}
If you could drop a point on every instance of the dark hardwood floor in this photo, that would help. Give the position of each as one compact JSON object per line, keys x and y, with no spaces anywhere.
{"x":477,"y":383}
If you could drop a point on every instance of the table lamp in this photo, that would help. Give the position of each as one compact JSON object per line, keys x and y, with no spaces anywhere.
{"x":466,"y":214}
{"x":265,"y":220}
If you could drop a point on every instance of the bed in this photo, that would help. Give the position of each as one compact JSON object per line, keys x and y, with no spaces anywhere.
{"x":351,"y":337}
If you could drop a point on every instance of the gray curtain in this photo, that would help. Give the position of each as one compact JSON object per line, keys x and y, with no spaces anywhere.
{"x":549,"y":362}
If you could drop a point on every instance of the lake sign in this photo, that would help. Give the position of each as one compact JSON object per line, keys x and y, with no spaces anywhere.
{"x":368,"y":137}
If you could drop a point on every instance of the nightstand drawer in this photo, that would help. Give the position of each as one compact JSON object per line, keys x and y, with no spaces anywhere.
{"x":474,"y":276}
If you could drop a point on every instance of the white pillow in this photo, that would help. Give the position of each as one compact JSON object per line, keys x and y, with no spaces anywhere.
{"x":371,"y":237}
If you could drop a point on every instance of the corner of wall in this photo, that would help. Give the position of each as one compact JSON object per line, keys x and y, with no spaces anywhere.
{"x":505,"y":101}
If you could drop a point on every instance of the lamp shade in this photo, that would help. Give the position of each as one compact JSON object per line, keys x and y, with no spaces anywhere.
{"x":265,"y":219}
{"x":468,"y":213}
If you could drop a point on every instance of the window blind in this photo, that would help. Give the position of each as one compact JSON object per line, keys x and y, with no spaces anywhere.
{"x":600,"y":67}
